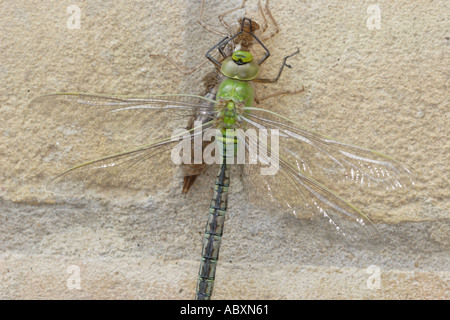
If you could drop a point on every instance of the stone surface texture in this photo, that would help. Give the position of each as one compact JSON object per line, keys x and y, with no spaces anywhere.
{"x":383,"y":84}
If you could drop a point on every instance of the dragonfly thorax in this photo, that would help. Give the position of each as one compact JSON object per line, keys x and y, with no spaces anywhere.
{"x":235,"y":93}
{"x":228,"y":114}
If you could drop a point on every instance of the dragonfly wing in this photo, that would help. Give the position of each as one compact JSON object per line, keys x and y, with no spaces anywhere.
{"x":129,"y":138}
{"x":293,"y":191}
{"x":148,"y":117}
{"x":330,"y":161}
{"x":308,"y":162}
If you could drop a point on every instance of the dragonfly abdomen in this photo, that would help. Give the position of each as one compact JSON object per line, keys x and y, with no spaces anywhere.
{"x":213,"y":233}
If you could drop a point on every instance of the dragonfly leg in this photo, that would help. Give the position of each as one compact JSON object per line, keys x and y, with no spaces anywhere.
{"x":221,"y":18}
{"x":280,"y":71}
{"x":204,"y":25}
{"x":230,"y":11}
{"x":272,"y":19}
{"x":188,"y":71}
{"x":259,"y":99}
{"x":180,"y":68}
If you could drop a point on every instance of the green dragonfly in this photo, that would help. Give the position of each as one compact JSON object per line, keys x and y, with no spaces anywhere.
{"x":289,"y":173}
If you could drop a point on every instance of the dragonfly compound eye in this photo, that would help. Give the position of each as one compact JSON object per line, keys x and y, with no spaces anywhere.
{"x":240,"y":66}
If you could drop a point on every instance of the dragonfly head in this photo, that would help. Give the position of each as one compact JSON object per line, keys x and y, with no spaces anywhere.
{"x":240,"y":66}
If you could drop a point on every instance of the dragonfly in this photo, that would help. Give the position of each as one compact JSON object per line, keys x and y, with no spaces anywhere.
{"x":239,"y":37}
{"x":286,"y":165}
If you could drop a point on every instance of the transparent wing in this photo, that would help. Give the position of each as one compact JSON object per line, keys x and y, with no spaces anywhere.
{"x":113,"y":116}
{"x":129,"y":138}
{"x":310,"y":162}
{"x":293,"y":191}
{"x":330,"y":161}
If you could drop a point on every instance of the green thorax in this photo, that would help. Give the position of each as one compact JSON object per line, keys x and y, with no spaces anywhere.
{"x":235,"y":93}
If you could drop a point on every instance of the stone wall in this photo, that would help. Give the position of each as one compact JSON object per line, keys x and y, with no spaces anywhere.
{"x":375,"y":74}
